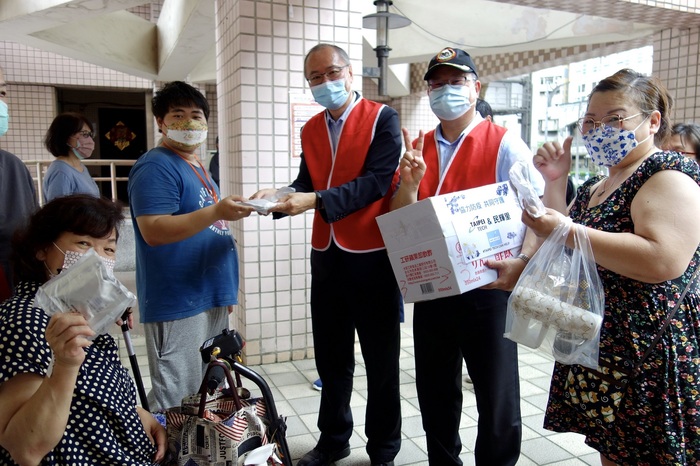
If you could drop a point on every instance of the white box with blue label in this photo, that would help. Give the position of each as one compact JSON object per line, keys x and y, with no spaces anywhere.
{"x":438,"y":246}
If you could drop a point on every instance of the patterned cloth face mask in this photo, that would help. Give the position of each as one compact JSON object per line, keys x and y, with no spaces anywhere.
{"x":607,"y":146}
{"x":71,"y":257}
{"x":187,"y":134}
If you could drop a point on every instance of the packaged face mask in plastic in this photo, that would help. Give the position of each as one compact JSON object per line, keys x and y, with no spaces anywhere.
{"x":89,"y":288}
{"x":527,"y":195}
{"x":262,"y":206}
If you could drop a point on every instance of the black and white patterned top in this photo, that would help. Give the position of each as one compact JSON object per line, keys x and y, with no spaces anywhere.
{"x":103,"y":427}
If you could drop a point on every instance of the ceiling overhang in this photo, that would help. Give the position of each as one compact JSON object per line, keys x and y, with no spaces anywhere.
{"x":181,"y":44}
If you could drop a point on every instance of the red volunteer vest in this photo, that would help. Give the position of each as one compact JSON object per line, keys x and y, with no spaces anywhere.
{"x":473,"y":164}
{"x":358,"y":231}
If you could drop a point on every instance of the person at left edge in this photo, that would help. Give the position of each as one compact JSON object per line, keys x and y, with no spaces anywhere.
{"x":350,"y":153}
{"x":17,"y":196}
{"x":69,"y":139}
{"x":186,"y":257}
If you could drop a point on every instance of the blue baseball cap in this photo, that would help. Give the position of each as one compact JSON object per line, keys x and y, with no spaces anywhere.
{"x":451,"y":57}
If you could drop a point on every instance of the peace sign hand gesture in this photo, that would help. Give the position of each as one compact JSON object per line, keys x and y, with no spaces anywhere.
{"x":412,"y":166}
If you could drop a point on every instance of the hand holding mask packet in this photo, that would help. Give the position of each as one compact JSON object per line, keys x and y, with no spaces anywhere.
{"x":262,"y":206}
{"x":527,"y":196}
{"x":87,"y":287}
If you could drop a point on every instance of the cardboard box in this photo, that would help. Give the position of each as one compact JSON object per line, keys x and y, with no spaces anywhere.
{"x":438,"y":246}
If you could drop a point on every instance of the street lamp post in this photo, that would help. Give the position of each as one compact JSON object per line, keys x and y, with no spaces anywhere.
{"x":382,"y":21}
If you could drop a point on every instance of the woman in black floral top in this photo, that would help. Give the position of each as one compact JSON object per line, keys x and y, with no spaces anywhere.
{"x":643,"y":221}
{"x":64,"y":399}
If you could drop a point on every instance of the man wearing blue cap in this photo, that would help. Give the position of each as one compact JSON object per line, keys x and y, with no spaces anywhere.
{"x":465,"y":151}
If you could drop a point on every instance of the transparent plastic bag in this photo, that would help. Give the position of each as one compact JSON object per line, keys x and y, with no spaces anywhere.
{"x":89,"y":288}
{"x":560,"y":290}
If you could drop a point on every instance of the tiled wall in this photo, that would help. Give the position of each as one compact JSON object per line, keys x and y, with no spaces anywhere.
{"x":33,"y":75}
{"x":260,"y":49}
{"x":209,"y":91}
{"x":414,"y":109}
{"x":29,"y":65}
{"x":32,"y":108}
{"x":676,"y":57}
{"x":663,"y":12}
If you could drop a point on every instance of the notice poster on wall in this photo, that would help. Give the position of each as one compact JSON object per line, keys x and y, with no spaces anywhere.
{"x":301,"y":108}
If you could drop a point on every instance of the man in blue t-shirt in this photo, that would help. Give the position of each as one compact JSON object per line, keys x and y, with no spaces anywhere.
{"x":186,"y":258}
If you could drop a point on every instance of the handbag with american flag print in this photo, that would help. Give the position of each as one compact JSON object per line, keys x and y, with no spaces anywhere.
{"x":216,"y":427}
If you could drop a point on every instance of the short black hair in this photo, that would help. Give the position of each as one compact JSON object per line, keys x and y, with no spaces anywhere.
{"x":484,"y":108}
{"x":176,"y":94}
{"x":62,"y":128}
{"x":690,"y":135}
{"x":81,"y":214}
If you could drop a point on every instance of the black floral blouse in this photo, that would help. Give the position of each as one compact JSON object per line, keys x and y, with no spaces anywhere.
{"x":658,"y":422}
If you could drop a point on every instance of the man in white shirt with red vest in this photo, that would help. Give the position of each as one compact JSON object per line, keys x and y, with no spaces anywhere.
{"x":465,"y":151}
{"x":350,"y":153}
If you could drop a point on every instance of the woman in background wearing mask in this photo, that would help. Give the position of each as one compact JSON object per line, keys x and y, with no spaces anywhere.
{"x":66,"y":399}
{"x":186,"y":257}
{"x":69,"y":139}
{"x":643,"y":222}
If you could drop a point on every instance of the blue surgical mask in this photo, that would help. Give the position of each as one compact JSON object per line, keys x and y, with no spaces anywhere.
{"x":4,"y":118}
{"x":331,"y":94}
{"x":450,"y":102}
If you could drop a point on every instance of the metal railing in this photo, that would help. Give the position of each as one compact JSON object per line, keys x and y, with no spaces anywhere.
{"x":38,"y":169}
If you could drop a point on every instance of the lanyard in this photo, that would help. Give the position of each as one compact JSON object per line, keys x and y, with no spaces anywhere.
{"x":206,"y":181}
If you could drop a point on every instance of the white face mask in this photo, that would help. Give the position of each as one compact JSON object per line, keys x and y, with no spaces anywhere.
{"x":71,"y":257}
{"x":450,"y":102}
{"x":608,"y":146}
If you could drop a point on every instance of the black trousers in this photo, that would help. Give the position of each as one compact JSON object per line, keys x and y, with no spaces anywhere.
{"x":357,"y":292}
{"x":468,"y":326}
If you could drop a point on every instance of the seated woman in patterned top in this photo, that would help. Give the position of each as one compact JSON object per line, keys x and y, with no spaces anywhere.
{"x":65,"y":399}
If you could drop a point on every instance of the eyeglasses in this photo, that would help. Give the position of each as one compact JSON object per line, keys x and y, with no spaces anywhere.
{"x":587,"y":124}
{"x":333,"y":74}
{"x":460,"y":81}
{"x":86,"y":134}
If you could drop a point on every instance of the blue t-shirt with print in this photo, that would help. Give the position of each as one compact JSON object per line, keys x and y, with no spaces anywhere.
{"x":181,"y":279}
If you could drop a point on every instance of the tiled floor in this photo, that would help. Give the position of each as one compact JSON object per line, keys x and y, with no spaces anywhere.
{"x":294,"y":398}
